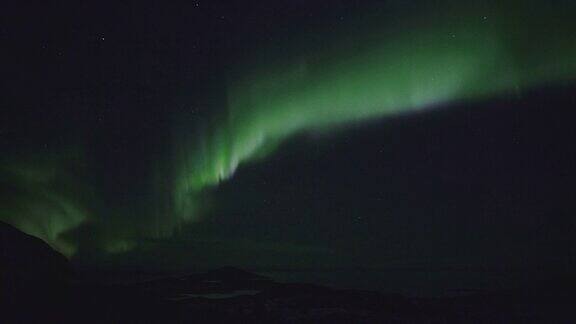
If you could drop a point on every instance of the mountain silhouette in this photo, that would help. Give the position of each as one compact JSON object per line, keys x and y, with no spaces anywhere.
{"x":34,"y":278}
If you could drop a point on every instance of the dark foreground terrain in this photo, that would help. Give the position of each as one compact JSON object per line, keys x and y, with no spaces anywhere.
{"x":38,"y":285}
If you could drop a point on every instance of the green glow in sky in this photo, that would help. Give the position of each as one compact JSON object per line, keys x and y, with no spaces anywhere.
{"x":457,"y":56}
{"x":320,"y":80}
{"x":44,"y":200}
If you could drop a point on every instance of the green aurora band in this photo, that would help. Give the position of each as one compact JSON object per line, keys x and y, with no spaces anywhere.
{"x":468,"y":55}
{"x":43,"y":198}
{"x":315,"y":81}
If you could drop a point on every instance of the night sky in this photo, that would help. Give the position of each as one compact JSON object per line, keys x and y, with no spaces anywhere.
{"x":292,"y":134}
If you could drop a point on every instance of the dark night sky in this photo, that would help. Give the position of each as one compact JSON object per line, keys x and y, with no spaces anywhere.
{"x":91,"y":94}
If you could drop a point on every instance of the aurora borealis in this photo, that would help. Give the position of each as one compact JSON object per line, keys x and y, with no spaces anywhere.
{"x":44,"y":201}
{"x":161,"y":166}
{"x":466,"y":56}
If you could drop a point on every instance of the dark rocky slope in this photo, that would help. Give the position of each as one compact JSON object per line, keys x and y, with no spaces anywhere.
{"x":34,"y":279}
